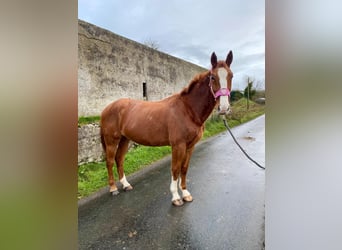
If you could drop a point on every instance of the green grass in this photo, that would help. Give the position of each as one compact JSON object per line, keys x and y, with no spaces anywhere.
{"x":93,"y":176}
{"x":88,"y":119}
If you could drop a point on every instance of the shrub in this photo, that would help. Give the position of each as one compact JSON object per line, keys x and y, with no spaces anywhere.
{"x":235,"y":95}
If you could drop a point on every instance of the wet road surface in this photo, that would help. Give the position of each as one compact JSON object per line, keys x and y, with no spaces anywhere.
{"x":227,"y":211}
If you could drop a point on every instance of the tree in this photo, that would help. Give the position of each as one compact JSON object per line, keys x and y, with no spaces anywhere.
{"x":249,"y":92}
{"x":152,"y":44}
{"x":235,"y":95}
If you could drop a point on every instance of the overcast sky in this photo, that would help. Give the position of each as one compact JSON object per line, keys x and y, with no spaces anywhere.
{"x":191,"y":29}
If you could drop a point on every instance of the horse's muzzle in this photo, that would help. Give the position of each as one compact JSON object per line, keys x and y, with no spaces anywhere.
{"x":224,"y":111}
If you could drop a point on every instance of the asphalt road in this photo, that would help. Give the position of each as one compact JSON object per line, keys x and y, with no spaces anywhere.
{"x":227,"y":211}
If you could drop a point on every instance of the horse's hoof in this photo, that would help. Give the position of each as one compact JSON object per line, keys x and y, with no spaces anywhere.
{"x":128,"y":188}
{"x":115,"y":192}
{"x":188,"y":198}
{"x":177,"y":202}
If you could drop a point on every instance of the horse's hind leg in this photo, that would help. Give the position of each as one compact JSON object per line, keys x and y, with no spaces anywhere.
{"x":110,"y":153}
{"x":119,"y":159}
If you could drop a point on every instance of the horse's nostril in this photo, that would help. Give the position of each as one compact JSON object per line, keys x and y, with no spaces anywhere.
{"x":222,"y":112}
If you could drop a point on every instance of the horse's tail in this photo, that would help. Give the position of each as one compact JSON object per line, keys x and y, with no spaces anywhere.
{"x":102,"y":139}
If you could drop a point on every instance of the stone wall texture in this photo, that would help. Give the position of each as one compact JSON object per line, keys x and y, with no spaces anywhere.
{"x":89,"y":144}
{"x":111,"y":67}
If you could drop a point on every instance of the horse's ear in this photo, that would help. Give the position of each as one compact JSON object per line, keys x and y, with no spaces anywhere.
{"x":213,"y":60}
{"x":229,"y":58}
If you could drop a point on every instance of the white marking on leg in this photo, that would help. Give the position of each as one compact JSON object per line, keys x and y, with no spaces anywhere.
{"x":185,"y":193}
{"x":124,"y":182}
{"x":174,"y":189}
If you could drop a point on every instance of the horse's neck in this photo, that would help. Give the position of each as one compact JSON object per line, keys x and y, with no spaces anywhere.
{"x":201,"y":102}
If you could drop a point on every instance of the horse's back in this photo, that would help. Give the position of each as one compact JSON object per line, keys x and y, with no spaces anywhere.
{"x":112,"y":110}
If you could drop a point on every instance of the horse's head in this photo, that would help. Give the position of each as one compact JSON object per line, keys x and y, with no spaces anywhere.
{"x":221,"y":81}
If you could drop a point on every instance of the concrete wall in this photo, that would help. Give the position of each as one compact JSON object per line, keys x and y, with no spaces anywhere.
{"x":111,"y":67}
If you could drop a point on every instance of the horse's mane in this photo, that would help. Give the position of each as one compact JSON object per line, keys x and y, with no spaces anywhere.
{"x":194,"y":82}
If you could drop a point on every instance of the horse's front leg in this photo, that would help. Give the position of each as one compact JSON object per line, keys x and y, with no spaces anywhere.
{"x":178,"y":158}
{"x":185,"y":193}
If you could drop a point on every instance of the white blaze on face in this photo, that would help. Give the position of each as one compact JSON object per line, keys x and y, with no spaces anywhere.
{"x":224,"y":100}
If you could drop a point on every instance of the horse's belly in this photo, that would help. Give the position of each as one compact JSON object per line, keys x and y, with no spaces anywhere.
{"x":147,"y":140}
{"x":147,"y":134}
{"x":146,"y":123}
{"x":151,"y":142}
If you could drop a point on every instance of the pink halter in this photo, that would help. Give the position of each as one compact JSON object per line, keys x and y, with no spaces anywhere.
{"x":222,"y":92}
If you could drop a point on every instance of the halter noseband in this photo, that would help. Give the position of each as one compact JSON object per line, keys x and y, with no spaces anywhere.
{"x":220,"y":92}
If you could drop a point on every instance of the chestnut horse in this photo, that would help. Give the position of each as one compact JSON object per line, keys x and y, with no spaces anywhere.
{"x":177,"y":121}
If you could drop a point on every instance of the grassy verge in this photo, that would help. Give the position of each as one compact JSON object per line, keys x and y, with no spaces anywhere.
{"x":88,"y":119}
{"x":93,"y":176}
